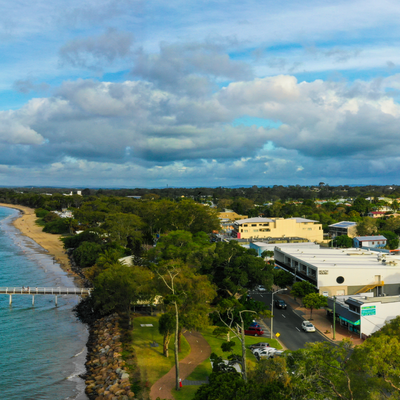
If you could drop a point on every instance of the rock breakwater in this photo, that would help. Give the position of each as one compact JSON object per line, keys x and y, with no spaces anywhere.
{"x":105,"y":377}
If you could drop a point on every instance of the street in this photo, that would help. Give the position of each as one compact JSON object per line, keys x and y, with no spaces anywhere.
{"x":288,"y":324}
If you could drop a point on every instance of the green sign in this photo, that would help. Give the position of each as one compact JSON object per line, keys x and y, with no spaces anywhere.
{"x":368,"y":310}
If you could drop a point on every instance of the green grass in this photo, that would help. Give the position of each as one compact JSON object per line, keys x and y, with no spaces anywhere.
{"x":150,"y":360}
{"x":204,"y":369}
{"x":186,"y":393}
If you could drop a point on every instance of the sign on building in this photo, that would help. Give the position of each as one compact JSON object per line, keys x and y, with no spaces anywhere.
{"x":368,"y":310}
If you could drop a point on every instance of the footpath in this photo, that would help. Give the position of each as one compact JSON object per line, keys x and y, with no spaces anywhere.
{"x":200,"y":351}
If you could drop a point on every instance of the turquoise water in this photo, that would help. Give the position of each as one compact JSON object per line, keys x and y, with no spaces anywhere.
{"x":42,"y":347}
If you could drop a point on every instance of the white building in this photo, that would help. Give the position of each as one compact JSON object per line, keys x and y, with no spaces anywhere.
{"x":337,"y":272}
{"x":363,"y":313}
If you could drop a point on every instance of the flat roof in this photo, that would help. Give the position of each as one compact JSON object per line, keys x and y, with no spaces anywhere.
{"x":253,"y":220}
{"x":343,"y":224}
{"x":369,"y":238}
{"x":328,"y":258}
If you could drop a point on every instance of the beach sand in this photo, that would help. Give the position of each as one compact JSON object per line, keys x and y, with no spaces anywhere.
{"x":25,"y":223}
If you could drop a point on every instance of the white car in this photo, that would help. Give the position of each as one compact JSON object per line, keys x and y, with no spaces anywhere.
{"x":308,"y":326}
{"x":261,"y":288}
{"x":261,"y":350}
{"x":269,"y":353}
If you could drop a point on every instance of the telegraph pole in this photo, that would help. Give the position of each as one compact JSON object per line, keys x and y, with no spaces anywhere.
{"x":334,"y":317}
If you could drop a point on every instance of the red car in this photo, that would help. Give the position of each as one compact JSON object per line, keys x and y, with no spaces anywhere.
{"x":254,"y":330}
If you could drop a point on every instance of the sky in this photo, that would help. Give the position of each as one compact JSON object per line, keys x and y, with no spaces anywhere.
{"x":134,"y":93}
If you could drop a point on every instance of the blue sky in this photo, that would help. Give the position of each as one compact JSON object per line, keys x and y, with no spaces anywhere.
{"x":116,"y":93}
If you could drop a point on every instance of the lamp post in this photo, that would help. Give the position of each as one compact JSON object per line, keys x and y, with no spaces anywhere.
{"x":272,"y":307}
{"x":334,"y":317}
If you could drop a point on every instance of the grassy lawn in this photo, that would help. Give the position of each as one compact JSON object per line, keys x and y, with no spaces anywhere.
{"x":186,"y":393}
{"x":150,"y":360}
{"x":204,"y":369}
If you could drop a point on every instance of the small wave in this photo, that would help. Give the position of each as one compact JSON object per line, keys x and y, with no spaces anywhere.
{"x":76,"y":355}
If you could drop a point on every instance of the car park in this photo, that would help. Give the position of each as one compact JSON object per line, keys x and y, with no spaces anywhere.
{"x":252,"y":330}
{"x":307,"y":326}
{"x":280,"y":304}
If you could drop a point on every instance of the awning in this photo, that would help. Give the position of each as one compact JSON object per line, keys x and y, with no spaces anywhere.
{"x":355,"y":322}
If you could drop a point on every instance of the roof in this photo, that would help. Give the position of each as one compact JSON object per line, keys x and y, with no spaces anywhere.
{"x":378,"y":212}
{"x":328,"y":258}
{"x":253,"y":220}
{"x":343,"y":224}
{"x":369,"y":238}
{"x":299,"y":220}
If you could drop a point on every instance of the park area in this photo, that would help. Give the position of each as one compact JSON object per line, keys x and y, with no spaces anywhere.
{"x":153,"y":365}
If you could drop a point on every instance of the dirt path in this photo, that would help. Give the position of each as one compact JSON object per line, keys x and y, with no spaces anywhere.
{"x":200,"y":351}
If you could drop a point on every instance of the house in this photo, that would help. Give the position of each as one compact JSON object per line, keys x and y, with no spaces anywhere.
{"x":348,"y":228}
{"x":369,"y":241}
{"x":337,"y":272}
{"x":264,"y":228}
{"x":376,"y":214}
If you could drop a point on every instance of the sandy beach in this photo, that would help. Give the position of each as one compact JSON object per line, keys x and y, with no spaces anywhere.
{"x":50,"y":242}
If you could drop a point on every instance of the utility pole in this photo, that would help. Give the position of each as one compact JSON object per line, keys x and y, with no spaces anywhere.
{"x":334,"y":317}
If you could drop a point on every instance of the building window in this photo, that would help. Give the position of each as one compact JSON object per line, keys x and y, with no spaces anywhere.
{"x":255,"y":230}
{"x":253,"y":224}
{"x":245,"y":231}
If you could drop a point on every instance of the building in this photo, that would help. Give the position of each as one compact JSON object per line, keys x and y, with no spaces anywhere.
{"x":339,"y":272}
{"x":230,"y":215}
{"x":377,"y":214}
{"x":364,"y":314}
{"x":369,"y":241}
{"x":264,"y":228}
{"x":348,"y":228}
{"x":259,"y":247}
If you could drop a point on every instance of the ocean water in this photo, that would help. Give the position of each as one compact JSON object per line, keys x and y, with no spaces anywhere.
{"x":42,"y":347}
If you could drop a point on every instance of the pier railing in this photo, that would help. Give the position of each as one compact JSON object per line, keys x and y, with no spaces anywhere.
{"x":33,"y":291}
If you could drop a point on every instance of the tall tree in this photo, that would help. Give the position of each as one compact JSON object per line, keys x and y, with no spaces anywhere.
{"x":314,"y":301}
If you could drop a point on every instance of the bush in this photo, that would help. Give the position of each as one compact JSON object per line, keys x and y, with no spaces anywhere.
{"x":73,"y":242}
{"x":40,"y":213}
{"x":86,"y":254}
{"x":59,"y":226}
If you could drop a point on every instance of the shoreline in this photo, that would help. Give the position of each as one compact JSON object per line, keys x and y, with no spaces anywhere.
{"x":51,"y":243}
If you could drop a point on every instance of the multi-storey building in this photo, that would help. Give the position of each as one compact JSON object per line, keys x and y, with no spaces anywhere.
{"x":263,"y":228}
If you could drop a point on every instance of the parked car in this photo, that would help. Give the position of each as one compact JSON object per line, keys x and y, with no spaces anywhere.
{"x":269,"y":353}
{"x":252,"y":330}
{"x":261,"y":345}
{"x":263,"y":350}
{"x":308,"y":326}
{"x":261,"y":288}
{"x":280,"y":304}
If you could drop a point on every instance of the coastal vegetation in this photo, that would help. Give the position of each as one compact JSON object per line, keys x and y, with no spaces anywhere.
{"x":156,"y":252}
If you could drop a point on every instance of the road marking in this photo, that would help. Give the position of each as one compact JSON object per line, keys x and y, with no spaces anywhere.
{"x":297,"y":328}
{"x":261,"y":295}
{"x":283,"y":316}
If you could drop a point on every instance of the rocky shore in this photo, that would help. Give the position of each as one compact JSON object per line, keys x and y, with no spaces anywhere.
{"x":105,"y":376}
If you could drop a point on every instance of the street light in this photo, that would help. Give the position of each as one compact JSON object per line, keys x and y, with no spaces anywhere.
{"x":272,"y":307}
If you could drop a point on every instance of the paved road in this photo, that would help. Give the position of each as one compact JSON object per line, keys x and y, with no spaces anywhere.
{"x":288,"y":324}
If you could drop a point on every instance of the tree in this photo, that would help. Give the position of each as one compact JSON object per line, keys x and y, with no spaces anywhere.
{"x":301,"y":289}
{"x":222,"y":386}
{"x":235,"y":269}
{"x":282,"y":278}
{"x":166,"y":326}
{"x":314,"y":301}
{"x":187,"y":295}
{"x":392,"y":239}
{"x":343,"y":241}
{"x":367,"y":227}
{"x":86,"y":254}
{"x":361,"y":205}
{"x":377,"y":359}
{"x":323,"y":371}
{"x":232,"y":315}
{"x":121,"y":226}
{"x":118,"y":287}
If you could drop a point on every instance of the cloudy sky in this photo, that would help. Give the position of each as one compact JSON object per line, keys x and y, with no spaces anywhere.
{"x":125,"y":93}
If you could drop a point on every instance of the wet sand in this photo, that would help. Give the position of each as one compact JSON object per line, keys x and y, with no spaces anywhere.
{"x":25,"y":223}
